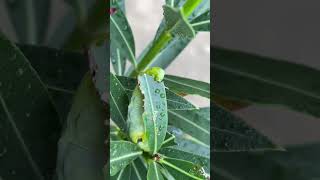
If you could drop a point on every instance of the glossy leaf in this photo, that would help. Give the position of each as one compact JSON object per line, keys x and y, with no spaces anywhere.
{"x":297,"y":163}
{"x":25,"y":135}
{"x":122,"y":153}
{"x":174,"y":101}
{"x":60,"y":71}
{"x":117,"y":59}
{"x":230,"y":133}
{"x":121,"y":35}
{"x":174,"y":152}
{"x":134,"y":171}
{"x":256,"y":79}
{"x":118,"y":102}
{"x":30,"y":19}
{"x":155,"y":114}
{"x":168,"y":141}
{"x":187,"y":143}
{"x":181,"y":169}
{"x":154,"y":171}
{"x":202,"y":22}
{"x":82,"y":152}
{"x":193,"y":123}
{"x":182,"y":85}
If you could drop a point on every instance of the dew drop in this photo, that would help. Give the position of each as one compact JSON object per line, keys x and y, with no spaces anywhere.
{"x":162,"y":95}
{"x":162,"y":114}
{"x":125,"y":27}
{"x":113,"y":61}
{"x":157,"y":91}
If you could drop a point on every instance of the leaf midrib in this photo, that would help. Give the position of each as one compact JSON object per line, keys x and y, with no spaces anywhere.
{"x":24,"y":147}
{"x":126,"y":156}
{"x":188,"y":85}
{"x":125,"y":39}
{"x":267,"y":81}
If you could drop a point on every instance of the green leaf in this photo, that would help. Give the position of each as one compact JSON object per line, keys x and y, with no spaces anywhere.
{"x":193,"y":123}
{"x":174,"y":101}
{"x":187,"y":143}
{"x":154,"y":171}
{"x":176,"y":23}
{"x":118,"y":103}
{"x":122,"y":153}
{"x":155,"y":115}
{"x":231,"y":133}
{"x":121,"y":35}
{"x":297,"y":163}
{"x":60,"y":71}
{"x":25,"y":135}
{"x":181,"y":169}
{"x":168,"y":141}
{"x":262,"y":80}
{"x":202,"y":22}
{"x":134,"y":171}
{"x":117,"y":59}
{"x":82,"y":151}
{"x":30,"y":19}
{"x":182,"y":85}
{"x":174,"y":152}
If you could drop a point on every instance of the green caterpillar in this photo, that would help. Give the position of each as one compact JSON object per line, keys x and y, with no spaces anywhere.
{"x":135,"y":110}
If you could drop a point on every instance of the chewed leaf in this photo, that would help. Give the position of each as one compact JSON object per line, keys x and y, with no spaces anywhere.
{"x":176,"y":23}
{"x":155,"y":114}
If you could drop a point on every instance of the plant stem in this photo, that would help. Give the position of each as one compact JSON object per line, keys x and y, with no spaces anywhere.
{"x":189,"y":6}
{"x":157,"y":46}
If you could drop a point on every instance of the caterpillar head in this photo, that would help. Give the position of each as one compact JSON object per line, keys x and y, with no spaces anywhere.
{"x":156,"y":72}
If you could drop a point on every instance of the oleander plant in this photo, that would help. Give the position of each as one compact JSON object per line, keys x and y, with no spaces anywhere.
{"x":65,"y":116}
{"x":155,"y":133}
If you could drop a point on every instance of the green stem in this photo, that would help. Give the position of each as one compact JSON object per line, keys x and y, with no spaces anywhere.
{"x":189,"y":6}
{"x":157,"y":46}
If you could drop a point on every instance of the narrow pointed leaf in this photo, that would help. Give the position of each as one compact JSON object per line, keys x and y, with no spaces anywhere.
{"x":230,"y":133}
{"x":182,"y":85}
{"x":155,"y":114}
{"x":122,"y":153}
{"x":202,"y":22}
{"x":193,"y":123}
{"x":134,"y":171}
{"x":118,"y":102}
{"x":262,"y":80}
{"x":121,"y":35}
{"x":60,"y":71}
{"x":154,"y":171}
{"x":29,"y":123}
{"x":181,"y":169}
{"x":177,"y":153}
{"x":297,"y":163}
{"x":174,"y":101}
